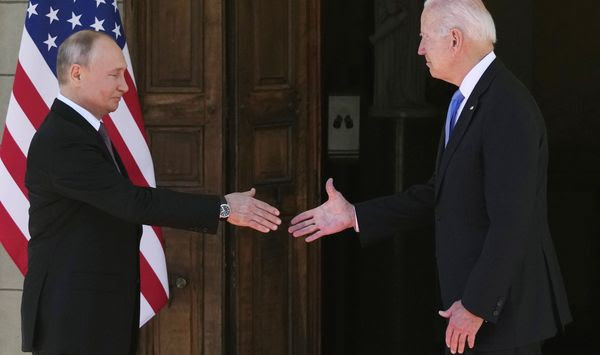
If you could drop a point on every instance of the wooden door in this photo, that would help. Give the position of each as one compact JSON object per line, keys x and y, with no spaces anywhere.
{"x":274,"y":61}
{"x":246,"y":293}
{"x":177,"y":46}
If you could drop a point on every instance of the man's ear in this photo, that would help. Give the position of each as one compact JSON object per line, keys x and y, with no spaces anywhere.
{"x":457,"y":38}
{"x":75,"y":74}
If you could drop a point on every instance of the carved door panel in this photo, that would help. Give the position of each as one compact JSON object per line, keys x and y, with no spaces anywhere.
{"x":267,"y":299}
{"x":178,"y":51}
{"x":275,"y":146}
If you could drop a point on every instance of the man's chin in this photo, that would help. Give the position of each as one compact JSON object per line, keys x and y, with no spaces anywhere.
{"x":433,"y":73}
{"x":113,"y":108}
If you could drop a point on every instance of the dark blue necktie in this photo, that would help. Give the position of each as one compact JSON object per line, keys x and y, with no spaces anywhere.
{"x":457,"y":99}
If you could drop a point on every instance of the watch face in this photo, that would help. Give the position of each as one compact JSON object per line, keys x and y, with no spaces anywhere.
{"x":225,"y":211}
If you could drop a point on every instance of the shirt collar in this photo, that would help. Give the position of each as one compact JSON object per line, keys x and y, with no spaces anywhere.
{"x":91,"y":119}
{"x":473,"y":76}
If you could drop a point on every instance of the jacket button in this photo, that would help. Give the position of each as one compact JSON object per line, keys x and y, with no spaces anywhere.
{"x":500,"y":303}
{"x":496,"y":313}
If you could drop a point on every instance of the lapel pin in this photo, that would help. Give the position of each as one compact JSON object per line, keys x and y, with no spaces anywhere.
{"x":471,"y":108}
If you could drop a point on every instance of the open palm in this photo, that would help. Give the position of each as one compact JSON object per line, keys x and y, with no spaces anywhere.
{"x":333,"y":216}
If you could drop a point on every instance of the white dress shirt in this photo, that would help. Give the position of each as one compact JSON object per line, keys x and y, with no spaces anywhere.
{"x":80,"y":110}
{"x":472,"y":78}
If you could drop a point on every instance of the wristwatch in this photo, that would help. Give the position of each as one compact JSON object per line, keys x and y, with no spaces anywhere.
{"x":224,"y":209}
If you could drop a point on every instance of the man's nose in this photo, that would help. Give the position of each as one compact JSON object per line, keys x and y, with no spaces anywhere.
{"x":123,"y":85}
{"x":421,"y":50}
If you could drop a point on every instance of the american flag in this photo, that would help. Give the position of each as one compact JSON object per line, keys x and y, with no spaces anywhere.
{"x":47,"y":25}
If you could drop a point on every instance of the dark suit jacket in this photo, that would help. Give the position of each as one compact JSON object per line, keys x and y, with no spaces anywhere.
{"x":488,"y":199}
{"x":80,"y":294}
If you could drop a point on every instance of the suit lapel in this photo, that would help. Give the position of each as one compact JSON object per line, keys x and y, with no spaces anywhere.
{"x":464,"y":121}
{"x":440,"y":152}
{"x":120,"y":163}
{"x":67,"y":112}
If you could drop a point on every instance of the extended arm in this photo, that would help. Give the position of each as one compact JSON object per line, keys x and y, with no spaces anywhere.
{"x":84,"y":174}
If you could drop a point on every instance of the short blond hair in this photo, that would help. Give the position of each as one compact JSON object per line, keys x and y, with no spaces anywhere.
{"x":76,"y":49}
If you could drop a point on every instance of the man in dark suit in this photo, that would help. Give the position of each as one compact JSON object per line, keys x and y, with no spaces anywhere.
{"x":498,"y":272}
{"x":81,"y":291}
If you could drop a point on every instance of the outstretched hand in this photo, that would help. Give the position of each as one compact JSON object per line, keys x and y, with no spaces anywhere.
{"x":246,"y":211}
{"x":462,"y":327}
{"x":333,"y":216}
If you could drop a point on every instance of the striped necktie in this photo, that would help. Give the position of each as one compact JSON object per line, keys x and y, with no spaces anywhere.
{"x":106,"y":139}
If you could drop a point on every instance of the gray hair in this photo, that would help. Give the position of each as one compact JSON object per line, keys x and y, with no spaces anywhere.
{"x":76,"y":49}
{"x":469,"y":16}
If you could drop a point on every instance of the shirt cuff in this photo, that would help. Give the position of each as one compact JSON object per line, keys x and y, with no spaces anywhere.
{"x":356,"y":229}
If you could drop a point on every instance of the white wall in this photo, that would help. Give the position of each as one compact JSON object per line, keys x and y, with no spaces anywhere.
{"x":12,"y":16}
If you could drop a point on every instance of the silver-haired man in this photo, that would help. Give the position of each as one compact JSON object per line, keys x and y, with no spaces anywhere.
{"x":501,"y":286}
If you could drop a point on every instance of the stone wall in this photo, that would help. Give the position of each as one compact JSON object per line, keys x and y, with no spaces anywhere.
{"x":12,"y":16}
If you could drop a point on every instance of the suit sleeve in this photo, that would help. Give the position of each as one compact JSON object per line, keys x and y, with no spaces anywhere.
{"x":511,"y":149}
{"x":380,"y":218}
{"x":81,"y":172}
